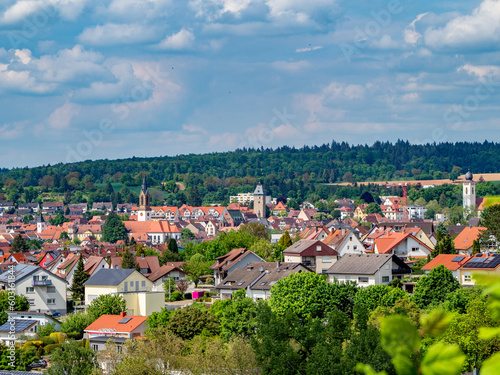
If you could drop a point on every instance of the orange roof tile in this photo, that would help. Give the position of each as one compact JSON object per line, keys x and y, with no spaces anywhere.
{"x":447,"y":261}
{"x":111,"y":322}
{"x":467,"y":236}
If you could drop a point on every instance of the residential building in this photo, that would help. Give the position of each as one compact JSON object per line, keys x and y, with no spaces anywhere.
{"x":118,"y":328}
{"x":135,"y":288}
{"x":311,"y":253}
{"x":172,"y":271}
{"x":415,"y":211}
{"x":45,"y":291}
{"x":236,"y":258}
{"x":368,"y":269}
{"x":478,"y":263}
{"x":257,"y":279}
{"x":465,"y":239}
{"x":404,"y":245}
{"x":26,"y":324}
{"x":451,"y":261}
{"x":344,"y":241}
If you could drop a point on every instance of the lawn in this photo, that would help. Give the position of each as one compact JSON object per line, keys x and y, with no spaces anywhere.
{"x":488,"y":201}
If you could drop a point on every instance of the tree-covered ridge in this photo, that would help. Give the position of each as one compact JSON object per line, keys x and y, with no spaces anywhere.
{"x":284,"y":171}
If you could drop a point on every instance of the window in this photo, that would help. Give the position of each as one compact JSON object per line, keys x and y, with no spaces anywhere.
{"x":385,"y":279}
{"x":143,"y":284}
{"x":95,"y":347}
{"x":51,"y":301}
{"x":51,"y":289}
{"x":415,"y":249}
{"x":318,"y":248}
{"x":327,"y":259}
{"x":30,"y":289}
{"x":363,"y":279}
{"x":323,"y":271}
{"x":348,"y":277}
{"x":386,"y":266}
{"x":355,"y":247}
{"x":263,"y":283}
{"x":131,"y":284}
{"x":31,"y":301}
{"x":467,"y":276}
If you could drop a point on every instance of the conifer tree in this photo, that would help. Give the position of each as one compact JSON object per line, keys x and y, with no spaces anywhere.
{"x":172,"y":246}
{"x":79,"y":278}
{"x":285,"y":241}
{"x":113,"y":229}
{"x":128,"y":261}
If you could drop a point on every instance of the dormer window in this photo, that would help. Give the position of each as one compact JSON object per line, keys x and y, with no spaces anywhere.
{"x":318,"y":247}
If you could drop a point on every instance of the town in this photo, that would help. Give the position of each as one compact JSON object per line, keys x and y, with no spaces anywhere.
{"x":108,"y":276}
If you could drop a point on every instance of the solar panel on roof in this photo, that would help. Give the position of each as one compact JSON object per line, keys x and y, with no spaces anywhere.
{"x":457,"y":259}
{"x":124,"y":320}
{"x":477,"y":260}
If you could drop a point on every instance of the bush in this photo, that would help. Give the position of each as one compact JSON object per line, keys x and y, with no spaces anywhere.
{"x":47,"y":340}
{"x":50,"y":348}
{"x":175,"y":296}
{"x":188,"y":296}
{"x":58,"y":337}
{"x":75,"y":335}
{"x":210,"y":281}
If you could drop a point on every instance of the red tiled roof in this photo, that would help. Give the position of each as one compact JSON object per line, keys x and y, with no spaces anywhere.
{"x":447,"y":261}
{"x":467,"y":236}
{"x":111,"y":322}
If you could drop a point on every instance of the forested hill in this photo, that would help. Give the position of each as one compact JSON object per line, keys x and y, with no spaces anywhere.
{"x":282,"y":170}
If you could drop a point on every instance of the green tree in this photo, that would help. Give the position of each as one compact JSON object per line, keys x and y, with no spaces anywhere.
{"x":107,"y":304}
{"x":285,"y":241}
{"x":192,"y":321}
{"x":308,"y":295}
{"x":73,"y":358}
{"x":172,"y":246}
{"x":197,"y":266}
{"x":113,"y":229}
{"x":20,"y":304}
{"x":257,"y":230}
{"x":159,"y":319}
{"x":445,"y":246}
{"x":64,"y":236}
{"x":76,"y":322}
{"x":19,"y":244}
{"x":108,"y":189}
{"x":236,"y":316}
{"x":79,"y":278}
{"x":128,"y":261}
{"x":59,"y":219}
{"x":490,"y":218}
{"x":433,"y":288}
{"x":371,"y":297}
{"x":27,"y":218}
{"x":195,"y":198}
{"x":186,"y":234}
{"x":373,"y":208}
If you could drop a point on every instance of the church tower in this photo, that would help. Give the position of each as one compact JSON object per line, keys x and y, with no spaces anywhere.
{"x":144,"y":211}
{"x":469,"y":193}
{"x":259,"y":202}
{"x":40,"y":224}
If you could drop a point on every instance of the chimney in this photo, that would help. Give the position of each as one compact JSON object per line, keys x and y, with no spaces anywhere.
{"x":122,"y":314}
{"x":142,"y":256}
{"x":278,"y":264}
{"x":343,"y":231}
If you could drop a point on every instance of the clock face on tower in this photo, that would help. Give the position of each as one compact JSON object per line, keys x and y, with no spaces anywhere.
{"x":142,"y":214}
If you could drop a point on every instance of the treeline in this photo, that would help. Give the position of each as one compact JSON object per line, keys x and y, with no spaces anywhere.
{"x":284,"y":171}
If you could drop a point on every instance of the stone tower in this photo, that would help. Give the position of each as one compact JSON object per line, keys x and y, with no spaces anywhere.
{"x":144,"y":211}
{"x":259,"y":202}
{"x":469,"y":193}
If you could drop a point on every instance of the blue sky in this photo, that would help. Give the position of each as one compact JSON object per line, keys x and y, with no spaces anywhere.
{"x":114,"y":79}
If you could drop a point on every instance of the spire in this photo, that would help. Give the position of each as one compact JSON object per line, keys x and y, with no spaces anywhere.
{"x":259,"y":190}
{"x":144,"y":184}
{"x":40,"y":218}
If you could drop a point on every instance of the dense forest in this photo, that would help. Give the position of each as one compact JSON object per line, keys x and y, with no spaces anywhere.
{"x":286,"y":171}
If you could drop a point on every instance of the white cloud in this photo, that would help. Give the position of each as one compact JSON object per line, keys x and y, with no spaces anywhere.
{"x":481,"y":71}
{"x":385,"y":43}
{"x":182,"y":40}
{"x":62,"y":116}
{"x":116,"y":34}
{"x":194,"y":129}
{"x":291,"y":66}
{"x":299,"y":50}
{"x":42,"y":10}
{"x":11,"y":131}
{"x":476,"y":31}
{"x":410,"y":34}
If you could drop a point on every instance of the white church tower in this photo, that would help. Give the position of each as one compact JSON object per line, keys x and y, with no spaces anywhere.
{"x":40,"y":224}
{"x":469,"y":193}
{"x":259,"y":202}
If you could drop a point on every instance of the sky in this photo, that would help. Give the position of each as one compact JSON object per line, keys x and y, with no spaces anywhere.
{"x":84,"y":79}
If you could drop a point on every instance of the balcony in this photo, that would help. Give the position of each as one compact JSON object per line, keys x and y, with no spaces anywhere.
{"x":41,"y":282}
{"x":308,"y":263}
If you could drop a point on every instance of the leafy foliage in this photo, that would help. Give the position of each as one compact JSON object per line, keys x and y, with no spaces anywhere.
{"x":113,"y":229}
{"x":191,"y":321}
{"x":20,"y":304}
{"x":72,"y":358}
{"x":433,"y":288}
{"x":106,"y":304}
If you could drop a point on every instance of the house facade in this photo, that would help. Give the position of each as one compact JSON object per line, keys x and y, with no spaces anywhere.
{"x":311,"y":253}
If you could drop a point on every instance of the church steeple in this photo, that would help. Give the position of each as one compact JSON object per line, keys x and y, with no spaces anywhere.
{"x":40,"y":224}
{"x":144,"y":211}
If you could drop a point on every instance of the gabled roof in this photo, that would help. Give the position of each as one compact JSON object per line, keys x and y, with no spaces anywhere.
{"x":258,"y":190}
{"x":113,"y":322}
{"x":467,"y":236}
{"x":109,"y":277}
{"x":164,"y":270}
{"x":364,"y":264}
{"x":483,"y":262}
{"x":308,"y":248}
{"x":385,"y":244}
{"x":20,"y":325}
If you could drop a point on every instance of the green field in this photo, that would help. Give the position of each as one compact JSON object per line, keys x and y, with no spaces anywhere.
{"x":488,"y":201}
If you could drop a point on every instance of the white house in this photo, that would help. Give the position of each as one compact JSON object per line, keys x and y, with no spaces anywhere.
{"x":45,"y":291}
{"x":368,"y":269}
{"x":415,"y":211}
{"x":24,"y":323}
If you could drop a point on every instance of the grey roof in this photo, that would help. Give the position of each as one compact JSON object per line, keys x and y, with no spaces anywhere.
{"x":108,"y":277}
{"x":363,"y":264}
{"x":257,"y":273}
{"x":20,"y":271}
{"x":259,"y":190}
